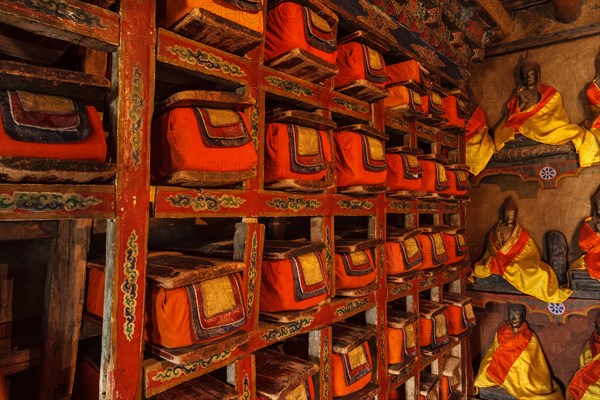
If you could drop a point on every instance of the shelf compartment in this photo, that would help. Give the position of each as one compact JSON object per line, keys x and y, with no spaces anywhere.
{"x":300,"y":186}
{"x":346,"y":106}
{"x":304,"y":118}
{"x":292,"y":88}
{"x":364,"y":90}
{"x":179,"y":54}
{"x":204,"y":387}
{"x":174,"y":202}
{"x":299,"y":62}
{"x":278,"y":375}
{"x":78,"y":86}
{"x":75,"y":22}
{"x":206,"y":27}
{"x":50,"y":171}
{"x":33,"y":201}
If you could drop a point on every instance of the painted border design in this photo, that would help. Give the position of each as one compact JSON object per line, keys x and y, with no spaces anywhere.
{"x":206,"y":60}
{"x":287,"y":330}
{"x":294,"y":204}
{"x":207,"y":362}
{"x":401,"y":288}
{"x":136,"y":122}
{"x":401,"y":205}
{"x":205,"y":201}
{"x":290,"y":86}
{"x":60,"y":9}
{"x":171,"y":373}
{"x":355,"y":204}
{"x":328,"y":254}
{"x":382,"y":337}
{"x":254,"y":121}
{"x":252,"y":273}
{"x":129,"y":287}
{"x":349,"y":105}
{"x":427,"y":282}
{"x":351,"y":306}
{"x":46,"y":201}
{"x":246,"y":385}
{"x":325,"y":358}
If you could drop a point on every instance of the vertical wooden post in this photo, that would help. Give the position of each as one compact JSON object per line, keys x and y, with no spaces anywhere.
{"x":65,"y":288}
{"x":6,"y":286}
{"x":319,"y":351}
{"x":131,"y":113}
{"x":242,"y":375}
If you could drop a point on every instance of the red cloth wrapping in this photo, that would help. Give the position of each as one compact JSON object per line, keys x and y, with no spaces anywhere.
{"x":288,"y":286}
{"x":287,"y":30}
{"x":403,"y":256}
{"x":456,"y":247}
{"x":179,"y":145}
{"x":404,"y":172}
{"x":427,"y":330}
{"x":458,"y":182}
{"x":403,"y":96}
{"x":435,"y":179}
{"x":279,"y":163}
{"x":342,"y":374}
{"x":357,"y":61}
{"x":405,"y":71}
{"x":359,"y":160}
{"x":92,"y":148}
{"x":354,"y":270}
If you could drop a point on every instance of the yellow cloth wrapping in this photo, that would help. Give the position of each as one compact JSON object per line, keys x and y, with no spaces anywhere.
{"x":586,"y":387}
{"x":518,"y":261}
{"x":529,"y":377}
{"x":550,"y":125}
{"x":479,"y":144}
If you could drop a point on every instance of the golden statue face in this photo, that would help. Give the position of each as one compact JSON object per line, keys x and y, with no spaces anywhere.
{"x":515,"y":319}
{"x":529,"y":77}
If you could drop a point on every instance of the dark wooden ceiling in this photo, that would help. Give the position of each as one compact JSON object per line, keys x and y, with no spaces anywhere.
{"x":513,"y":5}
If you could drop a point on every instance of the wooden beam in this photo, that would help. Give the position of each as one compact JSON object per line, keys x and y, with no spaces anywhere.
{"x":61,"y":323}
{"x":499,"y":14}
{"x":544,"y":40}
{"x":20,"y":360}
{"x":6,"y":285}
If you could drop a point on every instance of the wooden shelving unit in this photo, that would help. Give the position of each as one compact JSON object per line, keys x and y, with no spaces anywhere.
{"x":145,"y":59}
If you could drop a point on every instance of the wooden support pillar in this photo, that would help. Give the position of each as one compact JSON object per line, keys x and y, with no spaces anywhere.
{"x":319,"y":352}
{"x":6,"y":285}
{"x":242,"y":375}
{"x":65,"y":288}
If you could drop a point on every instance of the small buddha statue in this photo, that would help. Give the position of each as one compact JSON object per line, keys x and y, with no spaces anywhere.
{"x":515,"y":362}
{"x":511,"y":253}
{"x":589,"y":241}
{"x":593,"y":97}
{"x":586,"y":381}
{"x":536,"y":111}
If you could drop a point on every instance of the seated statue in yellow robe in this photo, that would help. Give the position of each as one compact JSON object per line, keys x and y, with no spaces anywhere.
{"x":512,"y":254}
{"x":585,"y":384}
{"x":589,"y":241}
{"x":516,"y":361}
{"x":536,"y":111}
{"x":479,"y":147}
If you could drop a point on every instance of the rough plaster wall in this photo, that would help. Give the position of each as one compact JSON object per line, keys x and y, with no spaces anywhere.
{"x":568,"y":66}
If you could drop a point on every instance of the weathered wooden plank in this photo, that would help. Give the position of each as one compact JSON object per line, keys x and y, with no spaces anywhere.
{"x":6,"y":297}
{"x":72,"y":21}
{"x":65,"y":288}
{"x":44,"y":170}
{"x":20,"y":360}
{"x":277,"y":374}
{"x":499,"y":14}
{"x":205,"y":387}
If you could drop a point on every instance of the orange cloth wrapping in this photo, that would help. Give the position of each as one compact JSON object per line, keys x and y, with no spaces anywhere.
{"x":432,"y":330}
{"x":201,"y":139}
{"x":409,"y":70}
{"x":169,"y":319}
{"x":585,"y":384}
{"x":509,"y":361}
{"x":295,"y":152}
{"x":87,"y":382}
{"x":453,"y":112}
{"x":479,"y":147}
{"x":356,"y":62}
{"x":402,"y":96}
{"x":294,"y":284}
{"x":435,"y":179}
{"x":176,"y":9}
{"x":359,"y":160}
{"x":94,"y":298}
{"x":455,"y":317}
{"x":458,"y":182}
{"x":593,"y":97}
{"x":352,"y":371}
{"x":291,"y":26}
{"x":395,"y":345}
{"x":434,"y":103}
{"x":456,"y":247}
{"x":433,"y":249}
{"x":92,"y":148}
{"x":403,"y":256}
{"x":589,"y":243}
{"x":4,"y":388}
{"x":307,"y":392}
{"x":446,"y":388}
{"x":354,"y":270}
{"x":404,"y":172}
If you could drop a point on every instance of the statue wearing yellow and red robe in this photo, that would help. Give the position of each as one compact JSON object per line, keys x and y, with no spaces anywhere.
{"x":593,"y":97}
{"x":589,"y":243}
{"x":585,"y":384}
{"x":516,"y":362}
{"x":547,"y":122}
{"x":517,"y":259}
{"x":479,"y":144}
